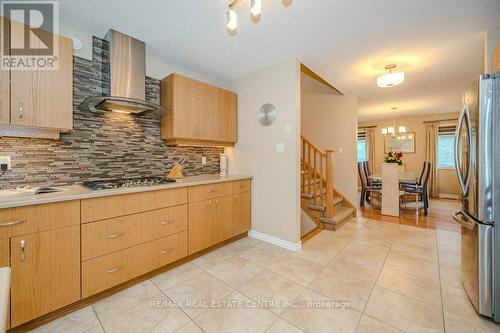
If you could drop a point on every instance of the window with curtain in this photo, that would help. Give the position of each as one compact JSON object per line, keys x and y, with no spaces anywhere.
{"x":445,"y":150}
{"x":361,"y":146}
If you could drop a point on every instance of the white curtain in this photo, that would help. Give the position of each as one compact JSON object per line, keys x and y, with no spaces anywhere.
{"x":370,"y":147}
{"x":431,"y":138}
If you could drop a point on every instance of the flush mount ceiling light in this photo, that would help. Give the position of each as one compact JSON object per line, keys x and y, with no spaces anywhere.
{"x":390,"y":79}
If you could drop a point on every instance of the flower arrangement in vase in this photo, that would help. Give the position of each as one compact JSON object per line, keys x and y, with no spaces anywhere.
{"x":394,"y":157}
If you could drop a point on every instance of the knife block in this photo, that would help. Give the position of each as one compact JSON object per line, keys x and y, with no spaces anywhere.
{"x":176,"y":172}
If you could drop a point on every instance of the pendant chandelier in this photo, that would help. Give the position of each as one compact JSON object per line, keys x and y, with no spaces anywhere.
{"x":401,"y":133}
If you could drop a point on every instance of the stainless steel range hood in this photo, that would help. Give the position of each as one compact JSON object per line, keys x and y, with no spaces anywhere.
{"x":127,"y":78}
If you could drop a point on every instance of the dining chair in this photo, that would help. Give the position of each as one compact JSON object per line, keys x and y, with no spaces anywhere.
{"x":421,"y":190}
{"x":368,"y":172}
{"x":366,"y":188}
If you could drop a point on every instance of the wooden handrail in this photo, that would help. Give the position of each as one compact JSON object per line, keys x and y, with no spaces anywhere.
{"x":317,"y":174}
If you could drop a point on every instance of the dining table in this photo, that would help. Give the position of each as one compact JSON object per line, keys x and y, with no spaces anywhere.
{"x":391,"y":193}
{"x":404,"y":177}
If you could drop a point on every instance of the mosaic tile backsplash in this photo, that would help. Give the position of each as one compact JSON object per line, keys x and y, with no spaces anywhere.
{"x":102,"y":144}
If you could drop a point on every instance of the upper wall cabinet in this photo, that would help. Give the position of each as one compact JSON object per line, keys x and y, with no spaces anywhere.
{"x":38,"y":102}
{"x":197,"y":113}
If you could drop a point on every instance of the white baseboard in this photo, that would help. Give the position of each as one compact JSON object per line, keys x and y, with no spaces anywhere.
{"x":275,"y":240}
{"x":449,"y":196}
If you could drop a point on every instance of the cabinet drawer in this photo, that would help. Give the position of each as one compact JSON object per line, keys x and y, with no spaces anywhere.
{"x":242,"y":186}
{"x":106,"y":236}
{"x":113,"y":269}
{"x":210,"y":191}
{"x":26,"y":220}
{"x":101,"y":208}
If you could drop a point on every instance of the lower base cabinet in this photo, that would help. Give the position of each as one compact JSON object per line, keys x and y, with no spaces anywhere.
{"x":242,"y":212}
{"x":113,"y":269}
{"x":45,"y":272}
{"x":215,"y":220}
{"x":63,"y":252}
{"x":223,"y":219}
{"x":210,"y":222}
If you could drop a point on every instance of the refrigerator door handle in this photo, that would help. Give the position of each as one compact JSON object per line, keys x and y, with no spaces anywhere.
{"x":458,"y":131}
{"x":461,"y":220}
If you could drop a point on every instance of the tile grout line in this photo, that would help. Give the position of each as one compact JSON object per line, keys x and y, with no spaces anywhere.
{"x":375,"y":283}
{"x":440,"y":284}
{"x":98,"y":319}
{"x":307,"y":287}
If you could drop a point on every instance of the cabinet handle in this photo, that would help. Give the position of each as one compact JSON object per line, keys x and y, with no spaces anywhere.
{"x":212,"y":191}
{"x":216,"y":202}
{"x":7,"y":224}
{"x":167,"y":250}
{"x":20,"y":109}
{"x":113,"y":236}
{"x":210,"y":204}
{"x":115,"y":269}
{"x":21,"y":244}
{"x":167,"y":222}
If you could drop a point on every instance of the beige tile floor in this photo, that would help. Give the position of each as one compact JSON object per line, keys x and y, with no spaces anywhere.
{"x":385,"y":278}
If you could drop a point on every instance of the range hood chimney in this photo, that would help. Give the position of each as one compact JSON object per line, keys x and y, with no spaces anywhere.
{"x":127,"y":78}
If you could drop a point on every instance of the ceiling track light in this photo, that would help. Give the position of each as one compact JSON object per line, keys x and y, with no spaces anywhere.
{"x":232,"y":17}
{"x":256,"y":7}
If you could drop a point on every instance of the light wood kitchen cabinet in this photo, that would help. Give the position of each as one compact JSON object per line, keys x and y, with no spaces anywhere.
{"x":101,"y":208}
{"x":41,"y":101}
{"x":4,"y":252}
{"x":242,"y":213}
{"x":4,"y":262}
{"x":210,"y":191}
{"x":30,"y":219}
{"x":45,"y":272}
{"x":200,"y":225}
{"x":223,"y":219}
{"x":227,"y":115}
{"x":216,"y":214}
{"x":197,"y":113}
{"x":106,"y":236}
{"x":4,"y":85}
{"x":110,"y":270}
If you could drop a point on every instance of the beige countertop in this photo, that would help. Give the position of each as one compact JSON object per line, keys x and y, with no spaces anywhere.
{"x":77,"y":192}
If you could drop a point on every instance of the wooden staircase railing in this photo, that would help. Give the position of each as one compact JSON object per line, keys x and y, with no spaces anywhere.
{"x":317,"y":174}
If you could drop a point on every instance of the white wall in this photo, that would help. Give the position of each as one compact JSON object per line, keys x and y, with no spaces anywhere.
{"x":155,"y":68}
{"x":275,"y":187}
{"x":492,"y":50}
{"x":330,"y":121}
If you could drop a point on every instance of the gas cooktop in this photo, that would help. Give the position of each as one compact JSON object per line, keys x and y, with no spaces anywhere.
{"x":106,"y":184}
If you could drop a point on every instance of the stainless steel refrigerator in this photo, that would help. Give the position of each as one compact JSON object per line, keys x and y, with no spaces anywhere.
{"x":477,"y":161}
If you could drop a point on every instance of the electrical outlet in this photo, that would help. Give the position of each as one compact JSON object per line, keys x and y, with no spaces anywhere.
{"x":203,"y":160}
{"x":5,"y":160}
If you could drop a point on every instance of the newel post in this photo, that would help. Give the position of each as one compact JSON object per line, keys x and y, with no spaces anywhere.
{"x":329,"y":183}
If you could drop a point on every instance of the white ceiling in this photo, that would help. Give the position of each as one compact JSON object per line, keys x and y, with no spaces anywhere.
{"x":437,"y":43}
